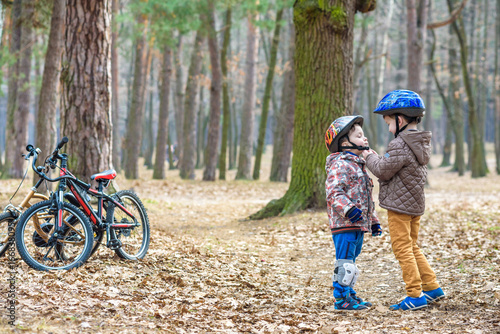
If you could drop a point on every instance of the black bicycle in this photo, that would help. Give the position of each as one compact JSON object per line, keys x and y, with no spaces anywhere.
{"x":59,"y":234}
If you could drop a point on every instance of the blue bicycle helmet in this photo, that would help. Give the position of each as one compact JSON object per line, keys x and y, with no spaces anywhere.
{"x":401,"y":102}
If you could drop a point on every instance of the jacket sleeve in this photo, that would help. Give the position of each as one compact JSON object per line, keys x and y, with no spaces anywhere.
{"x":373,"y":216}
{"x":336,"y":185}
{"x":386,"y":166}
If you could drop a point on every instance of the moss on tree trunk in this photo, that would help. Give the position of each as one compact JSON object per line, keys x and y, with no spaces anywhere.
{"x":324,"y":70}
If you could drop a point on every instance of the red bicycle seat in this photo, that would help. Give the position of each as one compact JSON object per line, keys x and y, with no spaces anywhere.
{"x":109,"y":174}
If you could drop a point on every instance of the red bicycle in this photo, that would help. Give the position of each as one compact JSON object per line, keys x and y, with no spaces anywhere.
{"x":59,"y":234}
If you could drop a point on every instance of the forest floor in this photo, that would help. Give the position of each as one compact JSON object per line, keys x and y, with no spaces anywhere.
{"x":210,"y":269}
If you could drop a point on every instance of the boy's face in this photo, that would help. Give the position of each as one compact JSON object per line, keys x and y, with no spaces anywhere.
{"x":357,"y":137}
{"x":391,"y":122}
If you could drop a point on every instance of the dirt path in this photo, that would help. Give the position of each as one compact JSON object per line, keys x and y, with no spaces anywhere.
{"x":210,"y":270}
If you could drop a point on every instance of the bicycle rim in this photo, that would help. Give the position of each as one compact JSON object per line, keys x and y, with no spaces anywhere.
{"x":6,"y":219}
{"x":38,"y":248}
{"x":135,"y":241}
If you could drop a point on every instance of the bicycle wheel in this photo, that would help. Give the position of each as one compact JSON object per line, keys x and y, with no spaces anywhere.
{"x":6,"y":220}
{"x":134,"y":240}
{"x":37,"y":245}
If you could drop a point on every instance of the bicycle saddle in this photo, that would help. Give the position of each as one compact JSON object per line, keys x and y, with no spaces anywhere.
{"x":109,"y":174}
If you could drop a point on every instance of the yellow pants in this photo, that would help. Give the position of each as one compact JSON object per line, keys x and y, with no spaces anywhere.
{"x":417,"y":274}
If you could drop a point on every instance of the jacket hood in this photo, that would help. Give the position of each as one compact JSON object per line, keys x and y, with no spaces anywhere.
{"x":342,"y":156}
{"x":420,"y":143}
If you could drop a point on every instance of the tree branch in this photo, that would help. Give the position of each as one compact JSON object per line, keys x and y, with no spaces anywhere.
{"x":453,"y":17}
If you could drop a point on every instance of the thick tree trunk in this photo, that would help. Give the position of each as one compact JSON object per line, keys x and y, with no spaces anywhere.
{"x":115,"y":111}
{"x":416,"y":36}
{"x":188,"y":153}
{"x":86,"y":84}
{"x":179,"y":99}
{"x":47,"y":106}
{"x":24,"y":88}
{"x":133,"y":137}
{"x":477,"y":151}
{"x":267,"y":96}
{"x":226,"y":118}
{"x":212,"y":146}
{"x":15,"y":45}
{"x":283,"y":134}
{"x":248,"y":112}
{"x":496,"y":86}
{"x":323,"y":69}
{"x":163,"y":133}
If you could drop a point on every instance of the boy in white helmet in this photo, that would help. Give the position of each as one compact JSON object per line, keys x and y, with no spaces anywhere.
{"x":350,"y":205}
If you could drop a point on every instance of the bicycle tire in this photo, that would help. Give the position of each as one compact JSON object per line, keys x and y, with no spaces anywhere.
{"x":131,"y":235}
{"x":70,"y":252}
{"x":5,"y":219}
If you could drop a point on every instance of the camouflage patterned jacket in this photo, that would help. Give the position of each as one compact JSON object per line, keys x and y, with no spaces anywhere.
{"x":348,"y":185}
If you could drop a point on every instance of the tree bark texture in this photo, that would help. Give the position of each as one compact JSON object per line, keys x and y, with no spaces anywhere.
{"x":133,"y":136}
{"x":416,"y":36}
{"x":163,"y":133}
{"x":323,"y":70}
{"x":267,"y":96}
{"x":86,"y":83}
{"x":478,"y":167}
{"x":24,"y":88}
{"x":496,"y":86}
{"x":179,"y":99}
{"x":115,"y":111}
{"x":283,"y":134}
{"x":212,"y":147}
{"x":248,"y":113}
{"x":47,"y":105}
{"x":226,"y":112}
{"x":455,"y":105}
{"x":188,"y":154}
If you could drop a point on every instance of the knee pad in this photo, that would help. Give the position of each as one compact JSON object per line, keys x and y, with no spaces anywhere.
{"x":346,"y":272}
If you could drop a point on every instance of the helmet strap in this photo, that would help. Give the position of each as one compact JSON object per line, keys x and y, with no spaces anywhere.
{"x":354,"y":146}
{"x":398,"y":130}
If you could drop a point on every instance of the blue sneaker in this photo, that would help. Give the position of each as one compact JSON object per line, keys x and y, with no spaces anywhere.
{"x":410,"y":303}
{"x":433,"y":296}
{"x":349,"y":304}
{"x":361,"y":301}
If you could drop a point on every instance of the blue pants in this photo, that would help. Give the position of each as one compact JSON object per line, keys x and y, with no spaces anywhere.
{"x":347,"y":247}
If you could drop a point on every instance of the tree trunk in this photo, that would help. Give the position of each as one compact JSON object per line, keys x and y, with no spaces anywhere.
{"x":448,"y":140}
{"x":416,"y":31}
{"x":179,"y":99}
{"x":477,"y":152}
{"x":115,"y":111}
{"x":248,"y":113}
{"x":283,"y":135}
{"x":188,"y":153}
{"x":24,"y":88}
{"x":358,"y":62}
{"x":146,"y":88}
{"x":324,"y":70}
{"x":226,"y":118}
{"x":496,"y":86}
{"x":133,"y":137}
{"x":163,"y":133}
{"x":385,"y":58}
{"x":86,"y":78}
{"x":212,"y":147}
{"x":148,"y":159}
{"x":455,"y":110}
{"x":46,"y":129}
{"x":15,"y":45}
{"x":200,"y":131}
{"x":267,"y":96}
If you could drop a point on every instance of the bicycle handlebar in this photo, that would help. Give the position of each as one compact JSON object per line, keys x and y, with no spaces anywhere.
{"x":35,"y":151}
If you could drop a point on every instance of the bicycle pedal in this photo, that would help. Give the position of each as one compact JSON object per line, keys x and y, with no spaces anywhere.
{"x":114,"y":244}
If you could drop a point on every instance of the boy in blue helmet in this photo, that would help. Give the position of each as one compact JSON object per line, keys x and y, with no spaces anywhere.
{"x":402,"y":172}
{"x":350,"y":205}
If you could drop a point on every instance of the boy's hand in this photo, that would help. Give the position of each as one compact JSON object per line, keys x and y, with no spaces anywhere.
{"x":368,"y":152}
{"x":376,"y":230}
{"x":354,"y":214}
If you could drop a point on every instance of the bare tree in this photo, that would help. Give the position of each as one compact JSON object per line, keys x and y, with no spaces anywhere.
{"x":86,"y":85}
